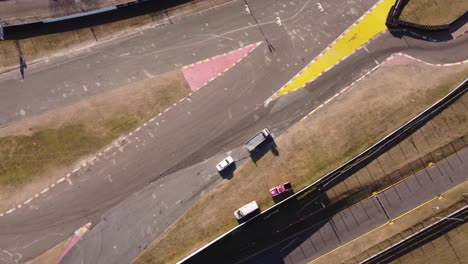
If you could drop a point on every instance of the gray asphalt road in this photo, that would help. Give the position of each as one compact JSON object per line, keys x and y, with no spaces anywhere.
{"x":368,"y":214}
{"x":188,"y":134}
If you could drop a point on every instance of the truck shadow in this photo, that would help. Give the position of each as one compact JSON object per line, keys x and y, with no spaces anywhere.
{"x":268,"y":145}
{"x":228,"y":172}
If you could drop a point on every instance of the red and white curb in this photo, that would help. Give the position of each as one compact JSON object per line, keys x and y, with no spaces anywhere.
{"x":371,"y":71}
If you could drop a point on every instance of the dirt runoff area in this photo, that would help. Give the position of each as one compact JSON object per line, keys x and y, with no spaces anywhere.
{"x":346,"y":126}
{"x":35,"y":152}
{"x":433,"y":12}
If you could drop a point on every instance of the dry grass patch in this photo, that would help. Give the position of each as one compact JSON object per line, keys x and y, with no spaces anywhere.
{"x":310,"y":149}
{"x":35,"y":146}
{"x":8,"y":54}
{"x":433,"y":12}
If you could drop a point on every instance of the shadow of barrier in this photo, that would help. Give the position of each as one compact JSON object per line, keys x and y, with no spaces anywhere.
{"x":86,"y":19}
{"x":309,"y":208}
{"x":399,"y":28}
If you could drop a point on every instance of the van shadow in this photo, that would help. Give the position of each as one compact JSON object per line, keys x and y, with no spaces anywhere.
{"x":268,"y":145}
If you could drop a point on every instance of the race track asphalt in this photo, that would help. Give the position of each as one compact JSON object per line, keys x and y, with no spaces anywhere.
{"x":116,"y":192}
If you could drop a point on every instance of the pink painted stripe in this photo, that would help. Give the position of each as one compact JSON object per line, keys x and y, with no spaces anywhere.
{"x":199,"y":74}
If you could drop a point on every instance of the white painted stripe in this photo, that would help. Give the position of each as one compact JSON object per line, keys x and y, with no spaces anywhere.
{"x":28,"y":200}
{"x":45,"y":190}
{"x":10,"y":211}
{"x":60,"y":180}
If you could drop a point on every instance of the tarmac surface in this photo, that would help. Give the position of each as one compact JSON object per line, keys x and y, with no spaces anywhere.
{"x":133,"y":193}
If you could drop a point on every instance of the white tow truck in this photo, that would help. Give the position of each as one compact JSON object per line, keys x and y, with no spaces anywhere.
{"x":256,"y":140}
{"x":246,"y":210}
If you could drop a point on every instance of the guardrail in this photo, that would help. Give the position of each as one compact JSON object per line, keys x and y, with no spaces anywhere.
{"x":86,"y":19}
{"x":361,"y":160}
{"x":420,"y":238}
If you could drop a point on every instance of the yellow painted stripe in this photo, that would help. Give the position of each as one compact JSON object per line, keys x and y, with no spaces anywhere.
{"x":371,"y":24}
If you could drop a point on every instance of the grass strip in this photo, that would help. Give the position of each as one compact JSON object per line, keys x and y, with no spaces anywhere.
{"x":30,"y":148}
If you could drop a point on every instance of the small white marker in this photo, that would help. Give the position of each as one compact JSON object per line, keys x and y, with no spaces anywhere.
{"x":278,"y":21}
{"x":28,"y":201}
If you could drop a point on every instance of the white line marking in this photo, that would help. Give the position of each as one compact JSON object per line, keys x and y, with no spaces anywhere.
{"x":28,"y":200}
{"x":45,"y":190}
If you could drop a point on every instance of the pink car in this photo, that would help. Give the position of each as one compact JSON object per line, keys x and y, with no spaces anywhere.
{"x":275,"y":191}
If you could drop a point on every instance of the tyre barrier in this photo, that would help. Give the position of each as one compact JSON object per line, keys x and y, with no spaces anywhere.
{"x":393,"y":19}
{"x":86,"y":19}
